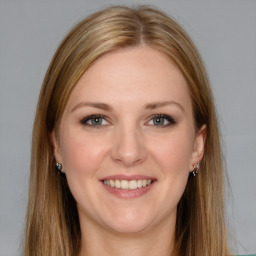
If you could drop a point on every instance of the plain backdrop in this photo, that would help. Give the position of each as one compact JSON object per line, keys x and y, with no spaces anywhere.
{"x":225,"y":33}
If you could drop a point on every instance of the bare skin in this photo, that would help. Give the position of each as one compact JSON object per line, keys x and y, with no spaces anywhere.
{"x":128,"y":120}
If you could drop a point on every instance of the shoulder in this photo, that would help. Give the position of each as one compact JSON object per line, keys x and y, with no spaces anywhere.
{"x":247,"y":255}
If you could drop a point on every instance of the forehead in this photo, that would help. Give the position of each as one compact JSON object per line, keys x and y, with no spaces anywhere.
{"x":132,"y":75}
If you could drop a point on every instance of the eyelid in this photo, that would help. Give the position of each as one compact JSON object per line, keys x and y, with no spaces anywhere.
{"x":170,"y":119}
{"x":85,"y":120}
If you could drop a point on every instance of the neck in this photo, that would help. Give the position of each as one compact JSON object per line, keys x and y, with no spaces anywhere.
{"x":153,"y":242}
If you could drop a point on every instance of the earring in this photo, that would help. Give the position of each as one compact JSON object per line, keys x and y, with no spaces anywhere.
{"x":196,"y":168}
{"x":58,"y":168}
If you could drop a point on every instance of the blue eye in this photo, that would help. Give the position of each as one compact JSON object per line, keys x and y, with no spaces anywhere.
{"x":162,"y":120}
{"x":94,"y":120}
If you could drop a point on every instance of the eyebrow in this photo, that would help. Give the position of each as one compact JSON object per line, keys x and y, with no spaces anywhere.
{"x":106,"y":107}
{"x":102,"y":106}
{"x":162,"y":104}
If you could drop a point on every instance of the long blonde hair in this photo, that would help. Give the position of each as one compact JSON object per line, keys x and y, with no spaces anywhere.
{"x":52,"y":226}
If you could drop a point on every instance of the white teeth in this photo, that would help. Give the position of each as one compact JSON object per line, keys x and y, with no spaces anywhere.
{"x":112,"y":183}
{"x":125,"y":184}
{"x":139,"y":183}
{"x":133,"y":184}
{"x":117,"y":184}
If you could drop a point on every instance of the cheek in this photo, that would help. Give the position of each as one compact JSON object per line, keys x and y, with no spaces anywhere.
{"x":174,"y":152}
{"x":171,"y":154}
{"x":82,"y":159}
{"x":82,"y":154}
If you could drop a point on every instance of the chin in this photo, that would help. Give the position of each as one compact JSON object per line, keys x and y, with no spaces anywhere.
{"x":129,"y":227}
{"x":129,"y":222}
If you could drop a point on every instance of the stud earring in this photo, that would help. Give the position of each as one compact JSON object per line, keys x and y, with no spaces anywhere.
{"x":196,"y":168}
{"x":58,"y":168}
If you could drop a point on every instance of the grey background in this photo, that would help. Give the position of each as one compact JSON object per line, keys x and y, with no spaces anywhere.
{"x":225,"y":33}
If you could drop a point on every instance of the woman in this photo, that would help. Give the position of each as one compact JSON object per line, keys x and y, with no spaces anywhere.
{"x":126,"y":156}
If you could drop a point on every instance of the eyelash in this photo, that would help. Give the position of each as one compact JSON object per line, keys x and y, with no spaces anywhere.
{"x":170,"y":120}
{"x":85,"y":120}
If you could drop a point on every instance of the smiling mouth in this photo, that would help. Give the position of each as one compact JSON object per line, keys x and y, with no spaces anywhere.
{"x":128,"y":184}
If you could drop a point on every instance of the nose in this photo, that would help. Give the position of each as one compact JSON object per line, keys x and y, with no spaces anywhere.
{"x":129,"y":147}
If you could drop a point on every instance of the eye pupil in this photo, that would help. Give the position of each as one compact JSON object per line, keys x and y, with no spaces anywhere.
{"x":158,"y":121}
{"x":96,"y":121}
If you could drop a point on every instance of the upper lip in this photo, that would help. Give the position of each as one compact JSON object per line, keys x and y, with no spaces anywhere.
{"x":128,"y":177}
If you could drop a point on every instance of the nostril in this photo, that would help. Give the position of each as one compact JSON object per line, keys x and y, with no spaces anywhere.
{"x":128,"y":148}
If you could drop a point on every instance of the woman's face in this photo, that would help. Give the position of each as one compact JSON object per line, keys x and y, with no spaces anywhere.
{"x":127,"y":141}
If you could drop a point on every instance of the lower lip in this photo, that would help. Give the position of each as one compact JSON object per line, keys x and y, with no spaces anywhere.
{"x":128,"y":193}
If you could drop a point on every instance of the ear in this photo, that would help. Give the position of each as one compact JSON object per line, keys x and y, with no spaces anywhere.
{"x":56,"y":147}
{"x":199,"y":143}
